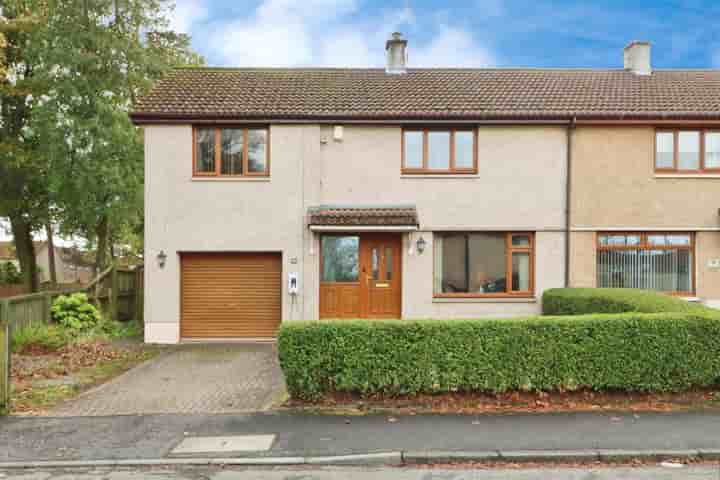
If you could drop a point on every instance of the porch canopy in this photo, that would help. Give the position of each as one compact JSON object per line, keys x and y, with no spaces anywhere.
{"x":363,"y":218}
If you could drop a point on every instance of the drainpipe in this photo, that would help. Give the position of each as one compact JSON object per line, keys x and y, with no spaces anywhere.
{"x":568,"y":193}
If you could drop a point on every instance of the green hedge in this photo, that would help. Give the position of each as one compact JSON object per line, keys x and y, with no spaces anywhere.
{"x":581,"y":301}
{"x":631,"y":351}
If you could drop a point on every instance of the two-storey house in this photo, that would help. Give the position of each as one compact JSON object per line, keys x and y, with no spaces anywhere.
{"x":311,"y":193}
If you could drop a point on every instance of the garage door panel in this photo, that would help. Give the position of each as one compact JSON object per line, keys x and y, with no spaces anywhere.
{"x":230,"y":295}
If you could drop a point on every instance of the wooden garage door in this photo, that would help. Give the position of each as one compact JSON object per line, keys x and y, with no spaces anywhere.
{"x":230,"y":295}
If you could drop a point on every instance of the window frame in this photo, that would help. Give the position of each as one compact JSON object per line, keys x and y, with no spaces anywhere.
{"x":452,"y":169}
{"x":509,"y":250}
{"x":702,"y":148}
{"x":645,"y":245}
{"x":218,"y":151}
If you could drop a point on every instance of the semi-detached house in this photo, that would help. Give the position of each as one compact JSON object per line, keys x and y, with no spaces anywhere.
{"x":281,"y":194}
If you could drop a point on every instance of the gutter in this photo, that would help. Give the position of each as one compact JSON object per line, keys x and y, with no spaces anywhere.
{"x":568,"y":194}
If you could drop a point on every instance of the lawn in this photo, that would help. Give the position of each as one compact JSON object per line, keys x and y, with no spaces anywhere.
{"x":48,"y":366}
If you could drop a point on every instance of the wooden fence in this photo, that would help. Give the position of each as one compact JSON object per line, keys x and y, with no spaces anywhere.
{"x":117,"y":292}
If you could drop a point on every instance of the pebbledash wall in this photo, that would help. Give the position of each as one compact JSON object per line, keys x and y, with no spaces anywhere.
{"x":520,"y":186}
{"x":615,"y":187}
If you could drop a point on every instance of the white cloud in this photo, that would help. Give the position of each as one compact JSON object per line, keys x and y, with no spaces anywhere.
{"x":327,"y":33}
{"x":451,"y":47}
{"x":185,"y":13}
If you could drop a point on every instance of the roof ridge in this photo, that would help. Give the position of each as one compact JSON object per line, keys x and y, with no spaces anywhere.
{"x":430,"y":69}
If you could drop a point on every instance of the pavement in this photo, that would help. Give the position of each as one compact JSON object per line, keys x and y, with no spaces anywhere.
{"x":299,"y":436}
{"x":190,"y":379}
{"x":698,"y":472}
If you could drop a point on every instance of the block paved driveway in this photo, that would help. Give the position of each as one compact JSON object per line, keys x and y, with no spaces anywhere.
{"x":208,"y":378}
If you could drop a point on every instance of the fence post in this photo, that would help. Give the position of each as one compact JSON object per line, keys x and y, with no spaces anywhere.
{"x":114,"y":293}
{"x":4,"y":361}
{"x":48,"y":305}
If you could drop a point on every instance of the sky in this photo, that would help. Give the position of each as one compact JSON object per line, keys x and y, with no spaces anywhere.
{"x":470,"y":33}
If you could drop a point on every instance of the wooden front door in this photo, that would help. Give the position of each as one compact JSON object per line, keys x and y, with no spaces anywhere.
{"x":360,"y":276}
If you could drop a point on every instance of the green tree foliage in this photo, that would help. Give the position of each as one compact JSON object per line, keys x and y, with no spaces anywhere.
{"x":90,"y":60}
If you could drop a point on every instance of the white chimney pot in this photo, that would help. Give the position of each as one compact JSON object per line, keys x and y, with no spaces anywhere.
{"x":636,"y":58}
{"x":396,"y":54}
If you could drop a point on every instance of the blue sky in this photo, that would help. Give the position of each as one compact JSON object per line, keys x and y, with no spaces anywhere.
{"x":471,"y":33}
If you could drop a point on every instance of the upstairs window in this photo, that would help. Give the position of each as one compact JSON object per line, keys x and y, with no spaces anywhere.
{"x":230,"y":152}
{"x":439,"y":151}
{"x":687,"y":151}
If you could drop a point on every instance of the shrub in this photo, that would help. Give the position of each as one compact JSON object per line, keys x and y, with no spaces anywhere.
{"x":49,"y":337}
{"x":630,"y":351}
{"x":9,"y":273}
{"x":580,"y":301}
{"x":75,"y":313}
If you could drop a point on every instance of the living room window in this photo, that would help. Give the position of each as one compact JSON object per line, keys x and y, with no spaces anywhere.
{"x":484,"y":264}
{"x":230,"y":152}
{"x":652,"y":260}
{"x":439,"y":151}
{"x":687,"y":151}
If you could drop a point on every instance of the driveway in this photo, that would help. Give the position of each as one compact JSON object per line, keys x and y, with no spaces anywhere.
{"x":208,"y":378}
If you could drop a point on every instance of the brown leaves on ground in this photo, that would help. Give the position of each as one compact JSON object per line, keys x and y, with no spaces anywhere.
{"x":84,"y":363}
{"x":516,"y":401}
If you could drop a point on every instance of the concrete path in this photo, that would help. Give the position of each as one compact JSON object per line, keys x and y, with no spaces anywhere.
{"x":701,"y":472}
{"x":154,"y":436}
{"x":207,"y":378}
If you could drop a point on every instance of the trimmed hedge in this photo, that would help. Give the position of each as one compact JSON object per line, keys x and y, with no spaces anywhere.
{"x":631,"y":351}
{"x":580,"y":301}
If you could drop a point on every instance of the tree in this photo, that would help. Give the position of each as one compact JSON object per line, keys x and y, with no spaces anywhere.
{"x":93,"y":153}
{"x":23,"y":193}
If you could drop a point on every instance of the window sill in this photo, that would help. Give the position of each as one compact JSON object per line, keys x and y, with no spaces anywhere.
{"x":229,"y":179}
{"x":687,"y":175}
{"x":485,"y":300}
{"x":422,"y":176}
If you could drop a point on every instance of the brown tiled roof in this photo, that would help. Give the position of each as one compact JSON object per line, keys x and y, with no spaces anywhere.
{"x":401,"y":215}
{"x":467,"y":94}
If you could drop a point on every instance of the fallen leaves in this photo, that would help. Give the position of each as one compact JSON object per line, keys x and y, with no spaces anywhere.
{"x":517,"y":401}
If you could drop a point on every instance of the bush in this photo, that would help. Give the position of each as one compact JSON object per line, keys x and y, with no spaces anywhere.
{"x":75,"y":313}
{"x":580,"y":301}
{"x":48,"y":337}
{"x":9,"y":273}
{"x":630,"y":351}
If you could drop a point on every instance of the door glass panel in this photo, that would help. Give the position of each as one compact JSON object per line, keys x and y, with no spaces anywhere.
{"x":340,"y":259}
{"x":375,"y":264}
{"x":231,"y":152}
{"x":521,"y":272}
{"x":388,"y":263}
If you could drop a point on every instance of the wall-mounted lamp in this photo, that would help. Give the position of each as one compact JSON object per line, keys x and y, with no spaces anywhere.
{"x":161,"y":258}
{"x":420,"y":245}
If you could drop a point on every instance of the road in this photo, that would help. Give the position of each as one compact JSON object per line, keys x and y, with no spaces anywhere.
{"x":698,"y":472}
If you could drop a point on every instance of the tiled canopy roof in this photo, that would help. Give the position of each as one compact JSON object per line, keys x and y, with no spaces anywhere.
{"x":461,"y":94}
{"x":400,"y":215}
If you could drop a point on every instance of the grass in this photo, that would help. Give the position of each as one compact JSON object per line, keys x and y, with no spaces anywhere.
{"x":43,"y":353}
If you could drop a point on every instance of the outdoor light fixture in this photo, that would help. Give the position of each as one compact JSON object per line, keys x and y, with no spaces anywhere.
{"x":421,"y":244}
{"x":162,"y":256}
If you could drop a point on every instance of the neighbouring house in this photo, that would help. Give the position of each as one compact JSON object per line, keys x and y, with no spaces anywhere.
{"x":72,"y":264}
{"x":281,"y":194}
